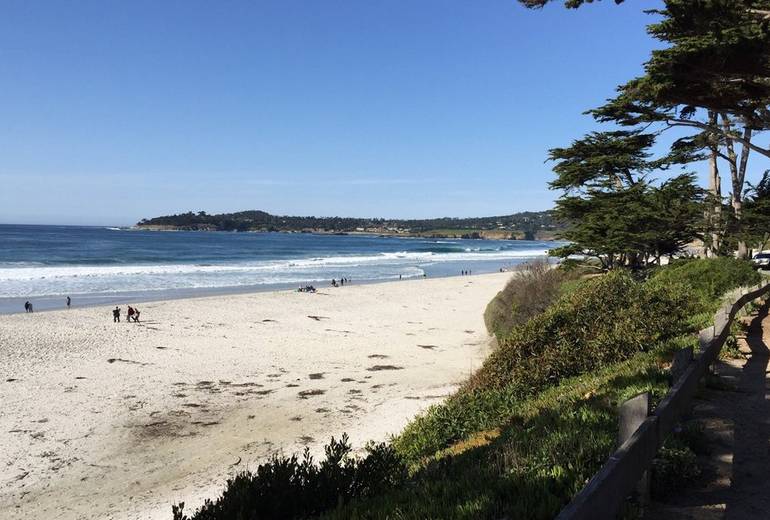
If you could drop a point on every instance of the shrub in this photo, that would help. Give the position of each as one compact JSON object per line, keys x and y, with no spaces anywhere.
{"x":709,"y":278}
{"x":600,"y":322}
{"x":290,"y":487}
{"x":528,"y":293}
{"x":604,"y":320}
{"x":675,"y":466}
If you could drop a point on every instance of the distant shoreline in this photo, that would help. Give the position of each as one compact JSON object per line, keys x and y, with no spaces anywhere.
{"x":465,"y":234}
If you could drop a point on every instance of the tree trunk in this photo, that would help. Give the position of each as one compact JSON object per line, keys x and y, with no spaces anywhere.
{"x":715,"y":191}
{"x":715,"y":220}
{"x":737,"y":176}
{"x":738,"y":190}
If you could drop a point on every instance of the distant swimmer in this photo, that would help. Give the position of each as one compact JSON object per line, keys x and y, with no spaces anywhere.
{"x":116,"y":315}
{"x":69,"y":302}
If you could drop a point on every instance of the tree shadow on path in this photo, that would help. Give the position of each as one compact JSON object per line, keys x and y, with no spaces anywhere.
{"x":735,"y":484}
{"x":749,"y":495}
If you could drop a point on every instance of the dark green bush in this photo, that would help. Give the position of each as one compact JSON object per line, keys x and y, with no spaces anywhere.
{"x":709,"y":278}
{"x":674,"y":467}
{"x":602,"y":321}
{"x":290,"y":487}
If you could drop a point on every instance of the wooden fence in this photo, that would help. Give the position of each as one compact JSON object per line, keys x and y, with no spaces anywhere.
{"x":605,"y":493}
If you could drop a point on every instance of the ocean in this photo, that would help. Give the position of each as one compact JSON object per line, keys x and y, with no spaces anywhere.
{"x":101,"y":265}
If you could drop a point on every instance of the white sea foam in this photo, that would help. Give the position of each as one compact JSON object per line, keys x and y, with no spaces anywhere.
{"x":26,"y":279}
{"x":50,"y":272}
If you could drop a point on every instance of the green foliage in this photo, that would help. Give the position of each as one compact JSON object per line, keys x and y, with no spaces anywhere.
{"x":290,"y":487}
{"x":601,"y":321}
{"x":528,"y":293}
{"x":756,"y":214}
{"x":708,"y":278}
{"x":259,"y":220}
{"x":604,"y":320}
{"x":545,"y":450}
{"x":612,"y":212}
{"x":602,"y":161}
{"x":674,"y":467}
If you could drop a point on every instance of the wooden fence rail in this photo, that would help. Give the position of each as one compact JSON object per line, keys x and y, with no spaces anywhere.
{"x":605,"y":493}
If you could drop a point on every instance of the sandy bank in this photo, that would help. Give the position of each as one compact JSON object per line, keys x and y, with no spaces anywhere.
{"x":103,"y":420}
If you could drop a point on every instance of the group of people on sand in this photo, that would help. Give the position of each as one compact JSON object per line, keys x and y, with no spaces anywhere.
{"x":341,"y":283}
{"x":28,"y":305}
{"x":131,"y":314}
{"x":307,"y":288}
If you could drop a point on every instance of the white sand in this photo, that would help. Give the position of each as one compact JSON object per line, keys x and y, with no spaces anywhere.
{"x":101,"y":420}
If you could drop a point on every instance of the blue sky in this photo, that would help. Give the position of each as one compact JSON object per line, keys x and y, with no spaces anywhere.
{"x":112,"y":111}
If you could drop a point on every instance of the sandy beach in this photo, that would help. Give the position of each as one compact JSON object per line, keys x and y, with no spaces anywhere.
{"x":105,"y":420}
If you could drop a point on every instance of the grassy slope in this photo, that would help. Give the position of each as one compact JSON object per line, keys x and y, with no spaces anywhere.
{"x":489,"y":453}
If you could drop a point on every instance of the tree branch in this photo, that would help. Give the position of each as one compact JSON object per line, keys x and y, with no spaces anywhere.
{"x":672,"y":121}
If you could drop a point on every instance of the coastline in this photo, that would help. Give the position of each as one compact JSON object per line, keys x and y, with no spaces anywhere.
{"x":123,"y":420}
{"x":481,"y":234}
{"x":53,"y":303}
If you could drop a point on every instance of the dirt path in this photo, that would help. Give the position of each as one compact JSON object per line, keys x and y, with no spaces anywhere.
{"x":736,"y":481}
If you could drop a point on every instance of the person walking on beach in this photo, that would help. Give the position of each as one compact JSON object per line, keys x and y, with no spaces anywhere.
{"x":69,"y":302}
{"x":116,"y":315}
{"x":130,"y":313}
{"x":27,"y":307}
{"x":136,"y":315}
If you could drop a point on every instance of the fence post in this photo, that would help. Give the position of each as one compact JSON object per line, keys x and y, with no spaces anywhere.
{"x":721,"y":319}
{"x":682,"y":358}
{"x":705,"y":337}
{"x":631,"y":415}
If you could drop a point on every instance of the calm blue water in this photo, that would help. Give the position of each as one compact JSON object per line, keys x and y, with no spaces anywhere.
{"x":98,"y":265}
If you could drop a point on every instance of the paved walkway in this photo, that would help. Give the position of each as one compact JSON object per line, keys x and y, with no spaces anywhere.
{"x":735,"y":484}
